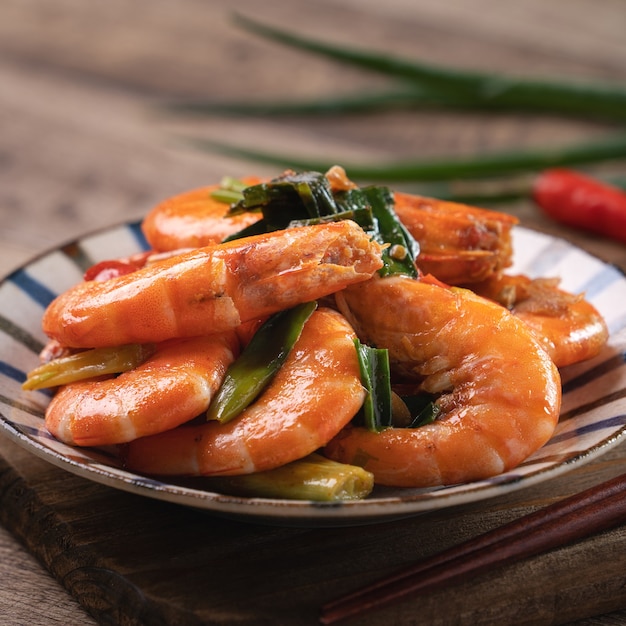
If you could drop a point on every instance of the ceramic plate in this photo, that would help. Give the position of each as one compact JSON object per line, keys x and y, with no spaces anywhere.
{"x":593,"y":414}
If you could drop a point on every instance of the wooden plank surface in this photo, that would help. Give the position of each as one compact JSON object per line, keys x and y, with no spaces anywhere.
{"x":81,"y":147}
{"x":129,"y":560}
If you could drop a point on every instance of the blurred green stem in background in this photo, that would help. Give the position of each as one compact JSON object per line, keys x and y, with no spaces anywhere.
{"x":496,"y":164}
{"x":425,"y":85}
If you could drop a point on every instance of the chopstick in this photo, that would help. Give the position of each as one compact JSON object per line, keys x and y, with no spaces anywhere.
{"x":592,"y":511}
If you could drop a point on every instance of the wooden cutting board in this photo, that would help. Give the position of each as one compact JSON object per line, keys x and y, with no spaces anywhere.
{"x":133,"y":560}
{"x":81,"y":149}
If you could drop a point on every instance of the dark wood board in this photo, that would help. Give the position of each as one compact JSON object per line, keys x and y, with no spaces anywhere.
{"x":81,"y":148}
{"x":134,"y":560}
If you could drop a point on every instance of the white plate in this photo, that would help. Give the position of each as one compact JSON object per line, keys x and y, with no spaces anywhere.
{"x":593,"y":414}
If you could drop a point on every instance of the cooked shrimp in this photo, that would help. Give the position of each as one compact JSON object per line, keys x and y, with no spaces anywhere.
{"x":313,"y":396}
{"x":567,"y":326}
{"x":498,"y":393}
{"x":171,"y":387}
{"x":193,"y":219}
{"x":213,"y":289}
{"x":458,"y":243}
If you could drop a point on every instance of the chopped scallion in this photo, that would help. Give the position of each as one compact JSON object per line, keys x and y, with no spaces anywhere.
{"x":250,"y":374}
{"x":313,"y":478}
{"x":375,"y":376}
{"x":229,"y":191}
{"x":88,"y":364}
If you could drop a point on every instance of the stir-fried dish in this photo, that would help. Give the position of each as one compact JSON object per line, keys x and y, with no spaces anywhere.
{"x":304,"y":337}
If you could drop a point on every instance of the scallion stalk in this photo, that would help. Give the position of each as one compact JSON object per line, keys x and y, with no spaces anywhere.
{"x":375,"y":377}
{"x":255,"y":367}
{"x":489,"y":91}
{"x":364,"y":102}
{"x":313,"y":478}
{"x":87,"y":364}
{"x":495,"y":164}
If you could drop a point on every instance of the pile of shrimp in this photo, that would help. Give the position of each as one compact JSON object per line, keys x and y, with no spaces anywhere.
{"x":485,"y":345}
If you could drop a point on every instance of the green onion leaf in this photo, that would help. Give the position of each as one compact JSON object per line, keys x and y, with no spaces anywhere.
{"x":403,"y":250}
{"x":290,"y":197}
{"x":422,"y":408}
{"x":258,"y":363}
{"x":363,"y":217}
{"x":368,"y":101}
{"x":494,"y":164}
{"x":375,"y":376}
{"x":478,"y":89}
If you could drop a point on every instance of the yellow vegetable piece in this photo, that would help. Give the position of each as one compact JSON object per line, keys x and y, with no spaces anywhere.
{"x":87,"y":364}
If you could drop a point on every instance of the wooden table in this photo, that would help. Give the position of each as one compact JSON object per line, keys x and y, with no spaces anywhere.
{"x":82,"y":147}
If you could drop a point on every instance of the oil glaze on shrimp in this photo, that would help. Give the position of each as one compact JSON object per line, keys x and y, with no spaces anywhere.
{"x":568,"y":327}
{"x":498,"y":392}
{"x":193,"y":219}
{"x":215,"y":288}
{"x":171,"y":387}
{"x":313,"y":396}
{"x":458,"y":243}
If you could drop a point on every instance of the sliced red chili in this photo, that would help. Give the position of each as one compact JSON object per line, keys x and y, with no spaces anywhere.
{"x":113,"y":268}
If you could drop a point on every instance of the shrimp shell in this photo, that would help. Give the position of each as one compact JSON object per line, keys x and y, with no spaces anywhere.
{"x":214,"y":289}
{"x":171,"y":387}
{"x":458,"y":243}
{"x":499,"y":393}
{"x":313,"y":396}
{"x":568,"y":327}
{"x":193,"y":219}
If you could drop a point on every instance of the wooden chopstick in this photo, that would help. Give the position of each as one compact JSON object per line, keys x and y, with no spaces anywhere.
{"x":592,"y":511}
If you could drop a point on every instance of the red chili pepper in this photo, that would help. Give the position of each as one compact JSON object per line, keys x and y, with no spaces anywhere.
{"x":583,"y":202}
{"x":115,"y":267}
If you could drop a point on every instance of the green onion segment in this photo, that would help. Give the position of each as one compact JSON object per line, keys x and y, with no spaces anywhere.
{"x":88,"y":364}
{"x":250,"y":374}
{"x":375,"y":376}
{"x":314,"y":478}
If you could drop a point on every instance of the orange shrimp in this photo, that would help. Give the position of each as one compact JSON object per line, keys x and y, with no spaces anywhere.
{"x":458,"y":243}
{"x":171,"y":387}
{"x":215,"y":288}
{"x":193,"y":219}
{"x":568,"y":327}
{"x":313,"y":396}
{"x":498,"y":393}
